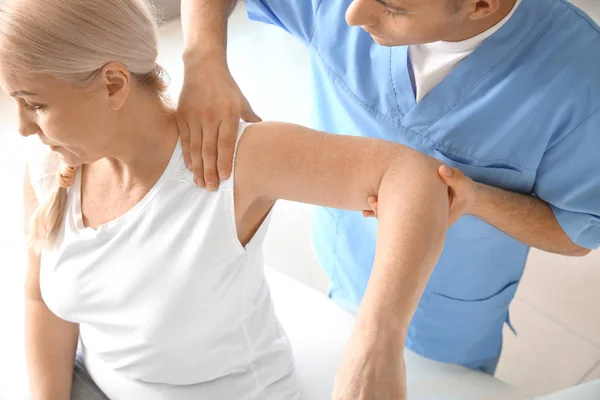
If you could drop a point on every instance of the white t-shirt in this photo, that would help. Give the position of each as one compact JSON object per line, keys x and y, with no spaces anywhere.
{"x":169,"y":303}
{"x":432,"y":62}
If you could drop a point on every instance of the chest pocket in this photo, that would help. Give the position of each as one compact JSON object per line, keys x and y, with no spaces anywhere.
{"x":499,"y":174}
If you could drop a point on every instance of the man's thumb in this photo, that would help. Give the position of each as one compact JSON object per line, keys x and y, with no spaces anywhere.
{"x":250,"y":116}
{"x":446,"y":171}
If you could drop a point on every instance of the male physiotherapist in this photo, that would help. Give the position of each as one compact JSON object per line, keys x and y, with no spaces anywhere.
{"x":506,"y":91}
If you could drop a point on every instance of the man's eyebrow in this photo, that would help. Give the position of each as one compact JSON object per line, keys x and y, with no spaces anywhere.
{"x":391,"y":6}
{"x":22,"y":93}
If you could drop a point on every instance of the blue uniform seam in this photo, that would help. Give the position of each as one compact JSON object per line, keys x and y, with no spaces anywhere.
{"x":314,"y":27}
{"x":586,"y":119}
{"x":379,"y":114}
{"x":490,"y":71}
{"x":347,"y":89}
{"x":374,"y":111}
{"x":394,"y":87}
{"x":586,"y":18}
{"x":453,"y":150}
{"x":271,"y":13}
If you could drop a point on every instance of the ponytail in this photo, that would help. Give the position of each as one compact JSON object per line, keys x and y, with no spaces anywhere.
{"x":48,"y":217}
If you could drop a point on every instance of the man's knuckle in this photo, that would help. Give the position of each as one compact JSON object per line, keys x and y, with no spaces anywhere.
{"x":195,"y":148}
{"x":210,"y":176}
{"x":227,"y":144}
{"x":209,"y":113}
{"x":209,"y":150}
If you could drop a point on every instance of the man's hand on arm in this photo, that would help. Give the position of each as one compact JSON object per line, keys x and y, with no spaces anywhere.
{"x":525,"y":218}
{"x":211,"y":103}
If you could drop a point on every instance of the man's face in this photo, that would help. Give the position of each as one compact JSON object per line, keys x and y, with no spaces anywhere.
{"x":404,"y":22}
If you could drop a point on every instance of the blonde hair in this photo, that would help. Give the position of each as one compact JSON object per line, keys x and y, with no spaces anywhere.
{"x":73,"y":40}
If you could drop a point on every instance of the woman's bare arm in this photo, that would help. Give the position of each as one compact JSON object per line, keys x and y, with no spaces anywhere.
{"x":50,"y":342}
{"x":284,"y":161}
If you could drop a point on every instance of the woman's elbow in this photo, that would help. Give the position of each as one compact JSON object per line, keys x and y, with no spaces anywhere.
{"x":423,"y":169}
{"x":418,"y":173}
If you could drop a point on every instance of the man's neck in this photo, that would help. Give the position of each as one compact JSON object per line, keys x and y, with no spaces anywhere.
{"x":474,"y":28}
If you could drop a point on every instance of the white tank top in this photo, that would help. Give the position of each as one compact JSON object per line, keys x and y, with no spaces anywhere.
{"x":170,"y":304}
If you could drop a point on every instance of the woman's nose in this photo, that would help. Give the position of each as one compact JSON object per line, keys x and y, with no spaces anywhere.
{"x":27,"y":127}
{"x":361,"y":13}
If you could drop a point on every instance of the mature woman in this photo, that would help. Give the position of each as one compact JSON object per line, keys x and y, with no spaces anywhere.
{"x":163,"y":280}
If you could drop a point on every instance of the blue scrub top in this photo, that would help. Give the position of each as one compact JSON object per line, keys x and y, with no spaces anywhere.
{"x":521,"y":113}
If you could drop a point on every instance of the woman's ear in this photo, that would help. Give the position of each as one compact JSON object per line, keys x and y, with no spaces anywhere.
{"x":115,"y":80}
{"x":479,"y":9}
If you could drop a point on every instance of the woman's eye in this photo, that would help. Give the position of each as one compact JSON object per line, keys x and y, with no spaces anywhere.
{"x":33,"y":107}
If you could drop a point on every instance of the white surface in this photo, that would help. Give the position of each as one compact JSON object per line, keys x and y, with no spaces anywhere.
{"x":587,"y":391}
{"x":319,"y":329}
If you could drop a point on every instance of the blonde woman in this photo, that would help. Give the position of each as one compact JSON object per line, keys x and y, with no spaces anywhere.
{"x":163,"y":280}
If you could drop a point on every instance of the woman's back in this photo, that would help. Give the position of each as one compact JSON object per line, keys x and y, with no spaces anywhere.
{"x":166,"y":295}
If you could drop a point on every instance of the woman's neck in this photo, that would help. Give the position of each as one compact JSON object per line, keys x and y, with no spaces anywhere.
{"x":144,"y":146}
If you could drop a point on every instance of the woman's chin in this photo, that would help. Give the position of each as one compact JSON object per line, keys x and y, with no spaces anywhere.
{"x":67,"y":157}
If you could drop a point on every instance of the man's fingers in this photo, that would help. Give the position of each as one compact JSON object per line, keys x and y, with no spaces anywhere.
{"x":184,"y":136}
{"x":196,"y":134}
{"x":228,"y":130}
{"x":368,"y":214}
{"x":374,"y":203}
{"x":209,"y":156}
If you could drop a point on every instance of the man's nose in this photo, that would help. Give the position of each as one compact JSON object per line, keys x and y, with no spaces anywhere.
{"x":361,"y":13}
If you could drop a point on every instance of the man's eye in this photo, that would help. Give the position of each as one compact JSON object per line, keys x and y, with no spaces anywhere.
{"x":394,"y":14}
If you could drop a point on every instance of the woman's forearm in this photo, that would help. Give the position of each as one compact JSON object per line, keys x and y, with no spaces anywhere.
{"x":413,"y":219}
{"x":51,"y":344}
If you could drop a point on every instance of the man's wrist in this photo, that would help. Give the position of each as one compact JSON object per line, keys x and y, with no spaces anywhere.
{"x":204,"y":56}
{"x":481,"y":200}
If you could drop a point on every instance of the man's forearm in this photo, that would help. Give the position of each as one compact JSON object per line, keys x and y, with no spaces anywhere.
{"x":525,"y":218}
{"x":204,"y":25}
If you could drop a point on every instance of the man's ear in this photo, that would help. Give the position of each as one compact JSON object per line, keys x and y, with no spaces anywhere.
{"x":480,"y":9}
